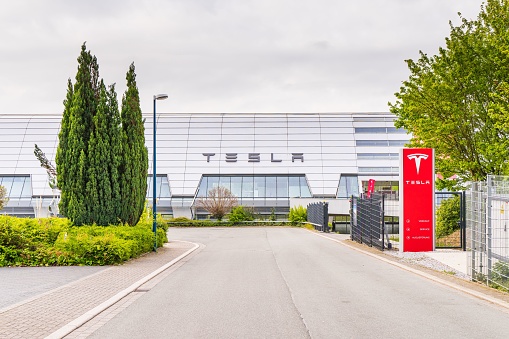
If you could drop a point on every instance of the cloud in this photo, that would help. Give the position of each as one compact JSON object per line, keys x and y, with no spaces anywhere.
{"x":222,"y":55}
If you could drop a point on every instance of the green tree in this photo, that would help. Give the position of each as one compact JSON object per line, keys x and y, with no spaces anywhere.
{"x":63,"y":154}
{"x":134,"y":166}
{"x":241,"y":213}
{"x":448,"y":217}
{"x":104,"y":152}
{"x":72,"y":165}
{"x":451,"y":101}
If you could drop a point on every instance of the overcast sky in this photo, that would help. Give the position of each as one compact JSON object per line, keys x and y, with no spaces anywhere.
{"x":222,"y":55}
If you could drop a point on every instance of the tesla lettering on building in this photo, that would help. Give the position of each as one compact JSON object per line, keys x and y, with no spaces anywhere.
{"x":253,"y":157}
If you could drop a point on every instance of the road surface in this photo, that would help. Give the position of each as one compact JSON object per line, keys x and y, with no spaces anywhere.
{"x":289,"y":283}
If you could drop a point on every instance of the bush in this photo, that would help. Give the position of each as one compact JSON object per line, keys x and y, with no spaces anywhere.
{"x":448,"y":216}
{"x":240,"y":214}
{"x":297,"y":214}
{"x":54,"y":241}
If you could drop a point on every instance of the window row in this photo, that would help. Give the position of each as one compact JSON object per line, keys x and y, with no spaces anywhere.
{"x":377,"y":130}
{"x":397,"y":143}
{"x":377,"y":156}
{"x":258,"y":186}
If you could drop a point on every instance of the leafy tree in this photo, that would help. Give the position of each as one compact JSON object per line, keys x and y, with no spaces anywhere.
{"x":219,"y":201}
{"x":448,"y":216}
{"x":298,"y":214}
{"x":453,"y":101}
{"x":134,"y":166}
{"x":241,"y":213}
{"x":3,"y":197}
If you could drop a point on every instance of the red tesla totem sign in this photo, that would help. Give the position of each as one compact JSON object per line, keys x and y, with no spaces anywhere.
{"x":417,"y":204}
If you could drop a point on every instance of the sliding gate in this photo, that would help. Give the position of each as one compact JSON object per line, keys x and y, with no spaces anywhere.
{"x":367,"y":224}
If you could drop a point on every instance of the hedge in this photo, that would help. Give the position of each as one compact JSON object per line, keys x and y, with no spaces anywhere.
{"x":54,"y":241}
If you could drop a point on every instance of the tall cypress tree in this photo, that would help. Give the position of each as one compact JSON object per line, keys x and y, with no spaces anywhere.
{"x":135,"y":155}
{"x":102,"y":160}
{"x":72,"y":161}
{"x":98,"y":186}
{"x":115,"y":146}
{"x":61,"y":158}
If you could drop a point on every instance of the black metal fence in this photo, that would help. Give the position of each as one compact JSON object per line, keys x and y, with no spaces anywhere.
{"x":367,"y":223}
{"x":318,"y":216}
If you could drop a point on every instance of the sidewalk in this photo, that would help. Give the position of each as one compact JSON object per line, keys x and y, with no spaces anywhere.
{"x":48,"y":313}
{"x":454,"y":259}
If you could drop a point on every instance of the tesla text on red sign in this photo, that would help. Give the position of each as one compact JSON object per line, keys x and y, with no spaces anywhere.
{"x":417,"y":188}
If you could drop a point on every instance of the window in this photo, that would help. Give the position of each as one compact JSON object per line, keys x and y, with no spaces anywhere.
{"x":397,"y":143}
{"x":370,"y":130}
{"x":282,"y":187}
{"x":162,"y":187}
{"x":377,"y":156}
{"x":378,"y":169}
{"x":348,"y":186}
{"x":17,"y":186}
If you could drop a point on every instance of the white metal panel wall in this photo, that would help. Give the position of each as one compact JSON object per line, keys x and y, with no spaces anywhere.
{"x":327,"y":141}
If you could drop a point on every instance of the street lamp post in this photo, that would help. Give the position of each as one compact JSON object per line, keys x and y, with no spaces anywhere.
{"x":154,"y":194}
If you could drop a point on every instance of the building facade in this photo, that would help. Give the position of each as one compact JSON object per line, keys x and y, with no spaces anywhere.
{"x":266,"y":160}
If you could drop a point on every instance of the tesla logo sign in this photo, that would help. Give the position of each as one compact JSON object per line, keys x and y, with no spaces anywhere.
{"x":417,"y":206}
{"x":417,"y":157}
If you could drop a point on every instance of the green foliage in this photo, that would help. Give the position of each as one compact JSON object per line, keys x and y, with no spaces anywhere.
{"x":241,"y":213}
{"x":101,"y":157}
{"x":184,"y":222}
{"x":456,"y":101}
{"x":298,"y":214}
{"x":54,"y":241}
{"x":134,"y":164}
{"x":448,"y":216}
{"x":3,"y":197}
{"x":500,"y":275}
{"x":272,"y":216}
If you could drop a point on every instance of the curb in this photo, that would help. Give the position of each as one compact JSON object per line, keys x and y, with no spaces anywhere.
{"x":78,"y":322}
{"x":476,"y":294}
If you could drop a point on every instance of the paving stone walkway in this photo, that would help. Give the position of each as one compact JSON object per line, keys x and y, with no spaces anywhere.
{"x":41,"y":316}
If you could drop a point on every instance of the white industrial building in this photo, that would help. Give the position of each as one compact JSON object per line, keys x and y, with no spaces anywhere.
{"x":268,"y":160}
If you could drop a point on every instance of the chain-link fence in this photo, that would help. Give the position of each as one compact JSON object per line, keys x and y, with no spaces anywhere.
{"x":487,"y":231}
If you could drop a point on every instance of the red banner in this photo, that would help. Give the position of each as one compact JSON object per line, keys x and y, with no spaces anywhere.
{"x":417,"y":203}
{"x":371,"y":187}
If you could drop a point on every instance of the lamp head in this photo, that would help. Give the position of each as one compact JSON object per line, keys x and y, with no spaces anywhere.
{"x":160,"y":96}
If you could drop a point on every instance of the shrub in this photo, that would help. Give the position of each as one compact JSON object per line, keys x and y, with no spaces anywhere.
{"x":54,"y":241}
{"x":240,"y":214}
{"x":272,"y":216}
{"x":297,"y":214}
{"x":448,"y":216}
